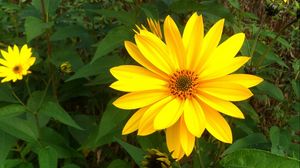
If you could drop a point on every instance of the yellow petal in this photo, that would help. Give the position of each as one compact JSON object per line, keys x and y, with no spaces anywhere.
{"x":216,"y":125}
{"x":16,"y":51}
{"x":30,"y":61}
{"x":133,"y":123}
{"x":154,"y":27}
{"x":133,"y":72}
{"x":174,"y":42}
{"x":5,"y":55}
{"x":169,"y":114}
{"x":222,"y":106}
{"x":187,"y":140}
{"x":146,"y":122}
{"x":140,"y":99}
{"x":25,"y":52}
{"x":192,"y":38}
{"x":245,"y":80}
{"x":173,"y":141}
{"x":5,"y":63}
{"x":137,"y":85}
{"x":224,"y":69}
{"x":155,"y":51}
{"x":194,"y":117}
{"x":229,"y":92}
{"x":138,"y":57}
{"x":210,"y":42}
{"x":226,"y":51}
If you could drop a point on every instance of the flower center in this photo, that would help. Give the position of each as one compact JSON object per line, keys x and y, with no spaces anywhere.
{"x":17,"y":69}
{"x":183,"y":84}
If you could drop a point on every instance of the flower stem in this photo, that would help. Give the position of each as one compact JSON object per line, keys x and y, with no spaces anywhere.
{"x":17,"y":97}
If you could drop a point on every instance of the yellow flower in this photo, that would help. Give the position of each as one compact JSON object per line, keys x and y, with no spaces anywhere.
{"x":16,"y":63}
{"x":183,"y":83}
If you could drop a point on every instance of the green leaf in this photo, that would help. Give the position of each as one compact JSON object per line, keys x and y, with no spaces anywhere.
{"x":253,"y":158}
{"x":37,"y":99}
{"x":136,"y":153}
{"x":111,"y":120}
{"x":154,"y":140}
{"x":234,"y":3}
{"x":270,"y":57}
{"x":294,"y":123}
{"x":184,"y":6}
{"x":150,"y":11}
{"x":34,"y":27}
{"x":250,"y":141}
{"x":280,"y":140}
{"x":114,"y":39}
{"x":97,"y":67}
{"x":296,"y":88}
{"x":52,"y":138}
{"x":119,"y":163}
{"x":47,"y":157}
{"x":6,"y":94}
{"x":20,"y":128}
{"x":55,"y":111}
{"x":7,"y":141}
{"x":127,"y":18}
{"x":50,"y":6}
{"x":71,"y":166}
{"x":11,"y":163}
{"x":66,"y":54}
{"x":11,"y":111}
{"x":248,"y":109}
{"x":271,"y":90}
{"x":62,"y":33}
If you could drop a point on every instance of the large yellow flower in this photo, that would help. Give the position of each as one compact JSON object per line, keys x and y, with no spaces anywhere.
{"x":16,"y":63}
{"x":183,"y":83}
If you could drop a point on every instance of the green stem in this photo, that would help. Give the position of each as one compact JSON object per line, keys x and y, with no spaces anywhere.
{"x":199,"y":154}
{"x":263,"y":56}
{"x":27,"y":86}
{"x":256,"y":39}
{"x":17,"y":97}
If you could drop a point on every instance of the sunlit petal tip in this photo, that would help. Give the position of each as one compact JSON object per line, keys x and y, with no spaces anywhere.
{"x":259,"y":80}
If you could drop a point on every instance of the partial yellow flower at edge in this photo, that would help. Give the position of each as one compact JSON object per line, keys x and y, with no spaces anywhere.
{"x":15,"y":63}
{"x":184,"y":83}
{"x":154,"y":27}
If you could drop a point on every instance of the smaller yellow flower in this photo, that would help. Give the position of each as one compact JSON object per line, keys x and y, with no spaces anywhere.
{"x":154,"y":27}
{"x":16,"y":63}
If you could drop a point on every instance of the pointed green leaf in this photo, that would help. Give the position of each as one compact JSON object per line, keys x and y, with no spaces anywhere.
{"x":47,"y":157}
{"x":136,"y":153}
{"x":55,"y":111}
{"x":114,"y":39}
{"x":34,"y":27}
{"x":20,"y":128}
{"x":11,"y":111}
{"x":271,"y":90}
{"x":250,"y":141}
{"x":253,"y":158}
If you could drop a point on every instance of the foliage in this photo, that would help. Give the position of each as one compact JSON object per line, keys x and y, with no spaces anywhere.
{"x":58,"y":118}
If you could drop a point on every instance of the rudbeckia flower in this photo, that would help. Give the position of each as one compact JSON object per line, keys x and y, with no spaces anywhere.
{"x":184,"y":84}
{"x":16,"y":63}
